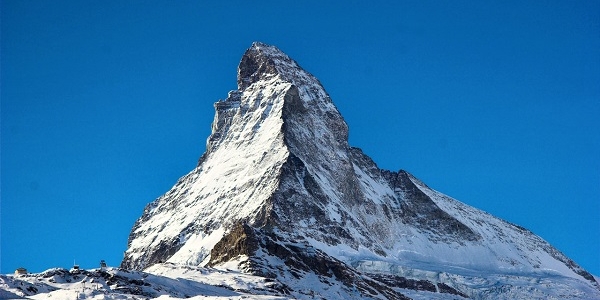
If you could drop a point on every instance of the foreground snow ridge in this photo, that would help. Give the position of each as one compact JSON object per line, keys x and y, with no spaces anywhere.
{"x":280,"y":206}
{"x":166,"y":282}
{"x":170,"y":281}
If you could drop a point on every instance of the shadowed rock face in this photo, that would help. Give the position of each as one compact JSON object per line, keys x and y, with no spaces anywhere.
{"x":420,"y":209}
{"x":280,"y":191}
{"x":241,"y":240}
{"x":254,"y":66}
{"x":298,"y":260}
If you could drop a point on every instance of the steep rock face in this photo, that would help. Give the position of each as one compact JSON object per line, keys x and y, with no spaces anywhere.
{"x":278,"y":168}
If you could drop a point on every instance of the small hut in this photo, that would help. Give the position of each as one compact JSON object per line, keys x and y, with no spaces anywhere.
{"x":102,"y":264}
{"x":75,"y":269}
{"x":21,"y":271}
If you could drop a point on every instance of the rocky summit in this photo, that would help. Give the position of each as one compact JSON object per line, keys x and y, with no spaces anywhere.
{"x":280,"y":195}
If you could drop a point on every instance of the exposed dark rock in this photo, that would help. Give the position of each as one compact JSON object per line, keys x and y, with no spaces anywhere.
{"x":415,"y":284}
{"x":254,"y":66}
{"x":444,"y":288}
{"x":241,"y":240}
{"x":420,"y":209}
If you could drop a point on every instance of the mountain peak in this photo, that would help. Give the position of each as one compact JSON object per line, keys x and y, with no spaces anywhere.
{"x":259,"y":62}
{"x":280,"y":193}
{"x":262,"y":62}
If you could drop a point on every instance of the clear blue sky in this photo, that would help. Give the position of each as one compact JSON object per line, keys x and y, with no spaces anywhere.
{"x":105,"y":104}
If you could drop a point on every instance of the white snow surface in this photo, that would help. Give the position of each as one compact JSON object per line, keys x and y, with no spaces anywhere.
{"x":287,"y":113}
{"x":163,"y":281}
{"x":232,"y":183}
{"x":170,"y":281}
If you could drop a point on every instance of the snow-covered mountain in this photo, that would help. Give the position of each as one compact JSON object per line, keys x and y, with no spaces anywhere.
{"x":281,"y":192}
{"x":281,"y":198}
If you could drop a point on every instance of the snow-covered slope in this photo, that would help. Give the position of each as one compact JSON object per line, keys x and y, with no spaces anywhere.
{"x":171,"y":281}
{"x":168,"y":282}
{"x":281,"y":193}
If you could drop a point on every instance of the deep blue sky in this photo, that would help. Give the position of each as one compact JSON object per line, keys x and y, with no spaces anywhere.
{"x":105,"y":104}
